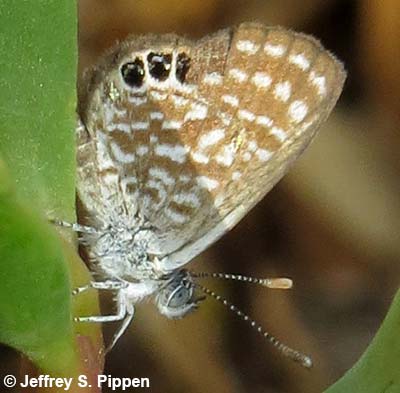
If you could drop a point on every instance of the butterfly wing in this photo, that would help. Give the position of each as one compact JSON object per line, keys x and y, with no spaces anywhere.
{"x":196,"y":143}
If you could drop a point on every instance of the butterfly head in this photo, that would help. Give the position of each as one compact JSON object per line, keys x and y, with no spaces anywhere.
{"x":178,"y":296}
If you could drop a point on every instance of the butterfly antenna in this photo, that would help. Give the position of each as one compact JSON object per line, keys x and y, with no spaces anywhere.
{"x":273,"y":283}
{"x":292,"y":354}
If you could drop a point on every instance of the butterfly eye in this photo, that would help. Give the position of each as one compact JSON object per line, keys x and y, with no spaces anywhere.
{"x":133,"y":73}
{"x":177,"y":298}
{"x":182,"y":66}
{"x":159,"y":65}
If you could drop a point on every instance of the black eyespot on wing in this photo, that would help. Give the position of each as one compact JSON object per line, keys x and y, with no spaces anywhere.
{"x":159,"y":65}
{"x":133,"y":73}
{"x":182,"y":66}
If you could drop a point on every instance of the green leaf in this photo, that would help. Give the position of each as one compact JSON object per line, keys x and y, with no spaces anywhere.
{"x":37,"y":145}
{"x":378,"y":369}
{"x":38,"y":99}
{"x":34,"y":291}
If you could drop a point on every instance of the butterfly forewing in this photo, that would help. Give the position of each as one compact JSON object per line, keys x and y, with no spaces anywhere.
{"x":203,"y":131}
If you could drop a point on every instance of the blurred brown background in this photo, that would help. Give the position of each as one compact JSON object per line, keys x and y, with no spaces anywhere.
{"x":332,"y":224}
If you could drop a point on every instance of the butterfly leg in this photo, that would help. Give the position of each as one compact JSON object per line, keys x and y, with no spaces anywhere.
{"x":125,"y":311}
{"x":130,"y":312}
{"x":120,"y":315}
{"x":74,"y":226}
{"x":108,"y":285}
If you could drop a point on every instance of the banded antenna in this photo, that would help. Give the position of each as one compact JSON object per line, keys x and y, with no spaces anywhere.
{"x":274,"y":283}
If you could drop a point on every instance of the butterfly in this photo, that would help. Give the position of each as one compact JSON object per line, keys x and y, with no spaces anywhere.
{"x":177,"y":140}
